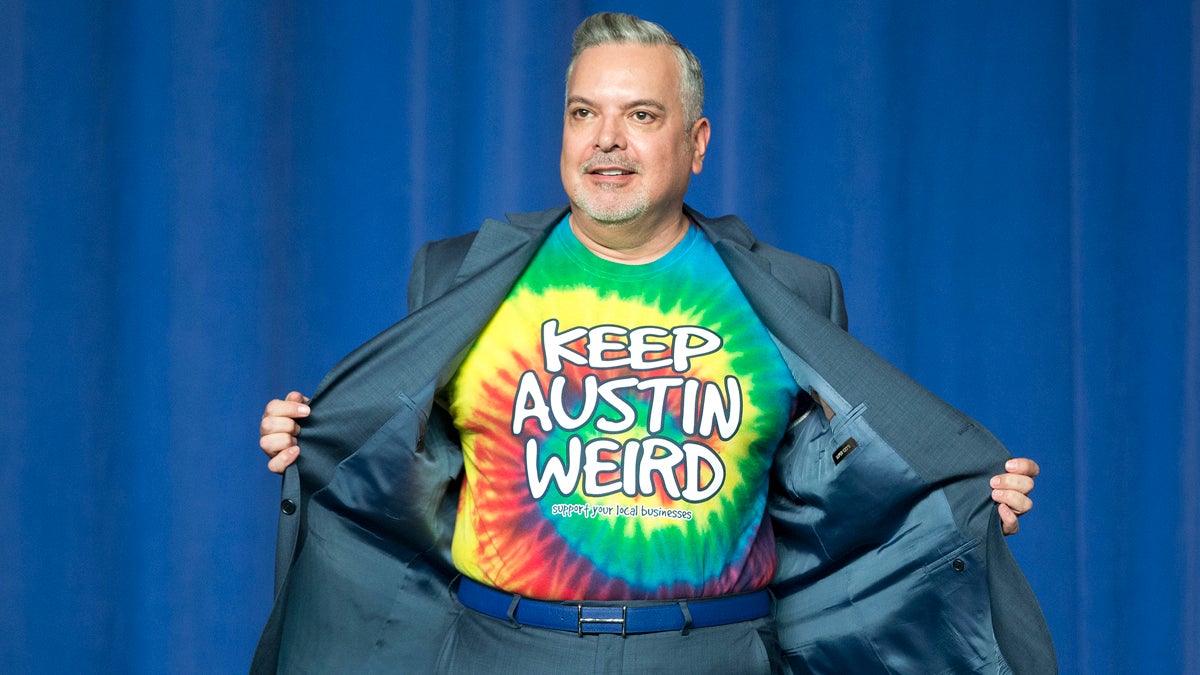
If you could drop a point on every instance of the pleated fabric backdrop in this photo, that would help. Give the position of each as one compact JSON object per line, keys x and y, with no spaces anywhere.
{"x":204,"y":205}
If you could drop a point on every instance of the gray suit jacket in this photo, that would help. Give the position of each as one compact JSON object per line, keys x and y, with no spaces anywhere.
{"x":891,"y":556}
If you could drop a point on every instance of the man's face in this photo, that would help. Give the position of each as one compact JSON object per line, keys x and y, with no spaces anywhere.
{"x":626,"y":153}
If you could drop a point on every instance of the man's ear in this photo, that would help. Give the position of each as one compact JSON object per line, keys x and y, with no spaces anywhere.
{"x":699,"y":134}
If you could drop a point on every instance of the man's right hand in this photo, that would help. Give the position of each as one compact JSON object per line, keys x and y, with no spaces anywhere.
{"x":279,"y":430}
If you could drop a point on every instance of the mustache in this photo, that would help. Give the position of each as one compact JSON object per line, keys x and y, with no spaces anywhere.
{"x":610,"y":159}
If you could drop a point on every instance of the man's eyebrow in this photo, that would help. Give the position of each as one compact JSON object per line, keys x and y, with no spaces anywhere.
{"x":647,"y":103}
{"x":640,"y":103}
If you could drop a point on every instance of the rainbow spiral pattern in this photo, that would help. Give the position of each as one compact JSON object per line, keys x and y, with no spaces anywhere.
{"x":637,"y":541}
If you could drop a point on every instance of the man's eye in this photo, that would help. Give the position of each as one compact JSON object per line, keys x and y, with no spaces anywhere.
{"x":643,"y":116}
{"x":581,"y":113}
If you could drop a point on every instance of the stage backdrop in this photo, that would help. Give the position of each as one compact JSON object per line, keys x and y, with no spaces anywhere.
{"x":206,"y":204}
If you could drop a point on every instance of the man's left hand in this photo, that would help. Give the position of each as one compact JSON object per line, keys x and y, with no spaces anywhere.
{"x":1011,"y":491}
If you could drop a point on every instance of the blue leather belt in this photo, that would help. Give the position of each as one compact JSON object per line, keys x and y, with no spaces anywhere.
{"x":613,"y":617}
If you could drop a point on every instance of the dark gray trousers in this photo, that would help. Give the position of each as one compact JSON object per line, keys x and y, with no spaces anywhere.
{"x":478,"y":643}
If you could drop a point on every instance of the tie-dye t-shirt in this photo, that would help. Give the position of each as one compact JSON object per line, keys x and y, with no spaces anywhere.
{"x":618,"y":425}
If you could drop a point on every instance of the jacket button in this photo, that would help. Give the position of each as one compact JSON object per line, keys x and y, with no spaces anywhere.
{"x":287,"y":506}
{"x":958,"y":564}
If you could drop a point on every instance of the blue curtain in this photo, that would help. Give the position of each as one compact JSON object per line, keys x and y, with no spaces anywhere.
{"x":205,"y":204}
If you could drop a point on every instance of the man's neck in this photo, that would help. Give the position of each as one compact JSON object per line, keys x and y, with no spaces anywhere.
{"x":630,"y":243}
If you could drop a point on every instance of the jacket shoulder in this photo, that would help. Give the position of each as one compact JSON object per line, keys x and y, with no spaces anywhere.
{"x":437,"y":263}
{"x":434,"y":268}
{"x":816,"y":282}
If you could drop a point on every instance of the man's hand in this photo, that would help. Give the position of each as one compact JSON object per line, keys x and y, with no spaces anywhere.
{"x":1011,"y":491}
{"x":279,"y":429}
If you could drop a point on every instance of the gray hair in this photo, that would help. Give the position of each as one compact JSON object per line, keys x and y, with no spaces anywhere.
{"x":608,"y":28}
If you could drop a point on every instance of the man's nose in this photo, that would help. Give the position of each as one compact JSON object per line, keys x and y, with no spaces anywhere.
{"x":610,"y":135}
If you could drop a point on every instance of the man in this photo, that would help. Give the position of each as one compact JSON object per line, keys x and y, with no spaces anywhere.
{"x":617,"y":425}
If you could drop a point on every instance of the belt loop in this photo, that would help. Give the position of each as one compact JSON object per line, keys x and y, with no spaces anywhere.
{"x":687,"y":618}
{"x":512,"y":610}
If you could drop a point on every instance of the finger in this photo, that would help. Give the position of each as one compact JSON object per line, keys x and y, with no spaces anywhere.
{"x":280,"y":425}
{"x":1017,"y":501}
{"x":1008,"y":520}
{"x":284,"y":408}
{"x":1023,"y":466}
{"x":273,"y":444}
{"x":1013,"y":481}
{"x":283,"y":460}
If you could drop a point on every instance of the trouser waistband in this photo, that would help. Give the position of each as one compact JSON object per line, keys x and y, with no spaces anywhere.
{"x":613,"y":617}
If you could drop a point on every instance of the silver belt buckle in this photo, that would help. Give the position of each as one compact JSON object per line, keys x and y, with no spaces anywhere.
{"x":601,"y":619}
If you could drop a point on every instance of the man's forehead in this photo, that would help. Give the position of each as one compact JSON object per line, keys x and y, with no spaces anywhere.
{"x":633,"y":67}
{"x":625,"y":56}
